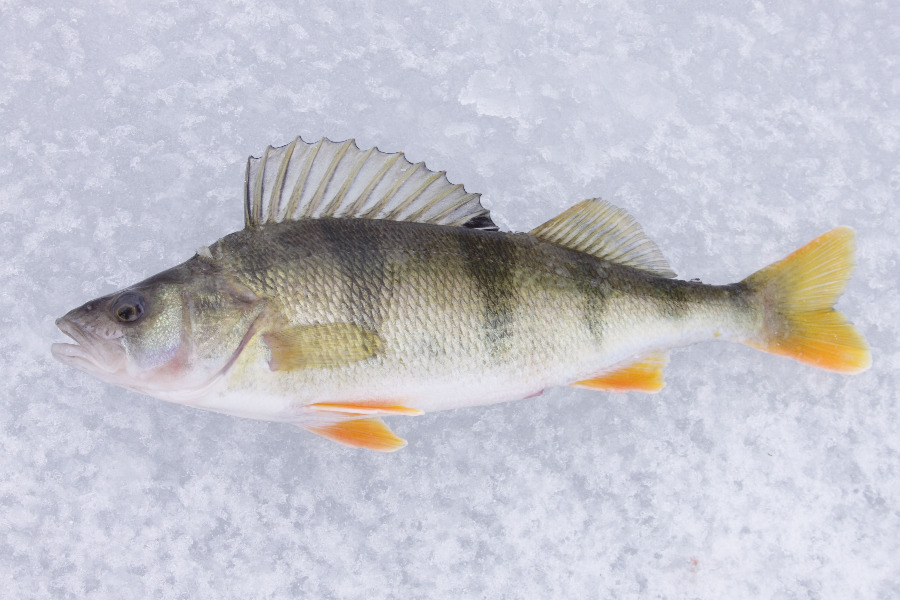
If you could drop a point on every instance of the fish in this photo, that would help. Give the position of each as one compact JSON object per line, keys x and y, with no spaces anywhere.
{"x":365,"y":286}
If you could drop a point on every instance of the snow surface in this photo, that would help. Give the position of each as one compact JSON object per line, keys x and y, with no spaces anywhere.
{"x":734,"y":132}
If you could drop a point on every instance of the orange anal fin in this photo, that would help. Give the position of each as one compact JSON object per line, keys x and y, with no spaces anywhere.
{"x":646,"y":375}
{"x":371,"y":434}
{"x":365,"y":408}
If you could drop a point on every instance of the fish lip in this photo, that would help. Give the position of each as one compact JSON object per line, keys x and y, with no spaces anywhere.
{"x":87,"y":353}
{"x":66,"y":352}
{"x":70,"y":329}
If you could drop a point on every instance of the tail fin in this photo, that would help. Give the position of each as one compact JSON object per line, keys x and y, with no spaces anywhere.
{"x":798,"y":295}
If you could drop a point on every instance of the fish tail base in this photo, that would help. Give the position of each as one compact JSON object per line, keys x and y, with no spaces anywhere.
{"x":798,"y":295}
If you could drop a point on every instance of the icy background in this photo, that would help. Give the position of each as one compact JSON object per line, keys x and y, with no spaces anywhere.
{"x":733,"y":135}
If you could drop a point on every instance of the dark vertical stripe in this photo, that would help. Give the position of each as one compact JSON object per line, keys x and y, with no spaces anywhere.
{"x":583,"y":271}
{"x":674,"y":297}
{"x":489,"y":260}
{"x":362,"y":263}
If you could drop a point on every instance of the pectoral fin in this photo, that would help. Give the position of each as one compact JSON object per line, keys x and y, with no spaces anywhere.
{"x":316,"y":346}
{"x":371,"y":434}
{"x":645,"y":375}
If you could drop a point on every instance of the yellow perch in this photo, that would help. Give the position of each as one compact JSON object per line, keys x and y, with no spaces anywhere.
{"x":364,"y":286}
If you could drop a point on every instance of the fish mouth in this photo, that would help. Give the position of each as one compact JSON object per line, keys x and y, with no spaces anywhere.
{"x":89,"y":353}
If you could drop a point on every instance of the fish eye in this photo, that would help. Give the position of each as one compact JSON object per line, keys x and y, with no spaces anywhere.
{"x":129,"y":307}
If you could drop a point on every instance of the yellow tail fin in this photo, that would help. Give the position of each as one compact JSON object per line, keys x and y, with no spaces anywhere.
{"x":798,"y":295}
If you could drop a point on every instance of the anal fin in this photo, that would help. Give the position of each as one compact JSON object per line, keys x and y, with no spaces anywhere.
{"x":645,"y":375}
{"x":371,"y":434}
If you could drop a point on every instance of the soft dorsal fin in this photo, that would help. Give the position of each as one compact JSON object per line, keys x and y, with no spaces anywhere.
{"x":337,"y":179}
{"x":598,"y":228}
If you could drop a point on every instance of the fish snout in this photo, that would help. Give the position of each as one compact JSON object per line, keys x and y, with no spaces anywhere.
{"x":70,"y":328}
{"x":95,"y":347}
{"x":87,"y":321}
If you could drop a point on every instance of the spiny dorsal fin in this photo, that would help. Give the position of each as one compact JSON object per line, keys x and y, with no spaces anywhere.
{"x":598,"y":228}
{"x":331,"y":179}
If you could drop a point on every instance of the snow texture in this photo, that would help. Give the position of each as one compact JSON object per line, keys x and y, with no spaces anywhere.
{"x":733,"y":132}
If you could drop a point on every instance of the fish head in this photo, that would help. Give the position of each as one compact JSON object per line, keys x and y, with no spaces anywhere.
{"x":169,"y":336}
{"x":133,"y":338}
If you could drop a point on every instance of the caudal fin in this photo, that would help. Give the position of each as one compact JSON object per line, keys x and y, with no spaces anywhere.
{"x":798,"y":294}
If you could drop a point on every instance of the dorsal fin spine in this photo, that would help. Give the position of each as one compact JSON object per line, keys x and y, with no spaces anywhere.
{"x":466,"y":218}
{"x":364,"y":195}
{"x":395,"y":214}
{"x":256,"y":212}
{"x":449,"y":210}
{"x":342,"y":192}
{"x":275,"y":198}
{"x":301,"y":181}
{"x":417,"y":216}
{"x":247,"y":193}
{"x":461,"y":222}
{"x":310,"y":210}
{"x":373,"y":212}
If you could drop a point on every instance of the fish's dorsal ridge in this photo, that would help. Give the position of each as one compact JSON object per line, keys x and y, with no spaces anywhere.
{"x":338,"y":180}
{"x":600,"y":229}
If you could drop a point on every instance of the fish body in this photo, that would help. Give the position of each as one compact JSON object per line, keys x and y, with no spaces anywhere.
{"x":463,"y":317}
{"x":365,"y":286}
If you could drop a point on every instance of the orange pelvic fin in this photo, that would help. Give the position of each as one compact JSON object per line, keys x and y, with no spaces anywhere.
{"x":798,"y":294}
{"x":645,"y":375}
{"x":371,"y":434}
{"x":365,"y":408}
